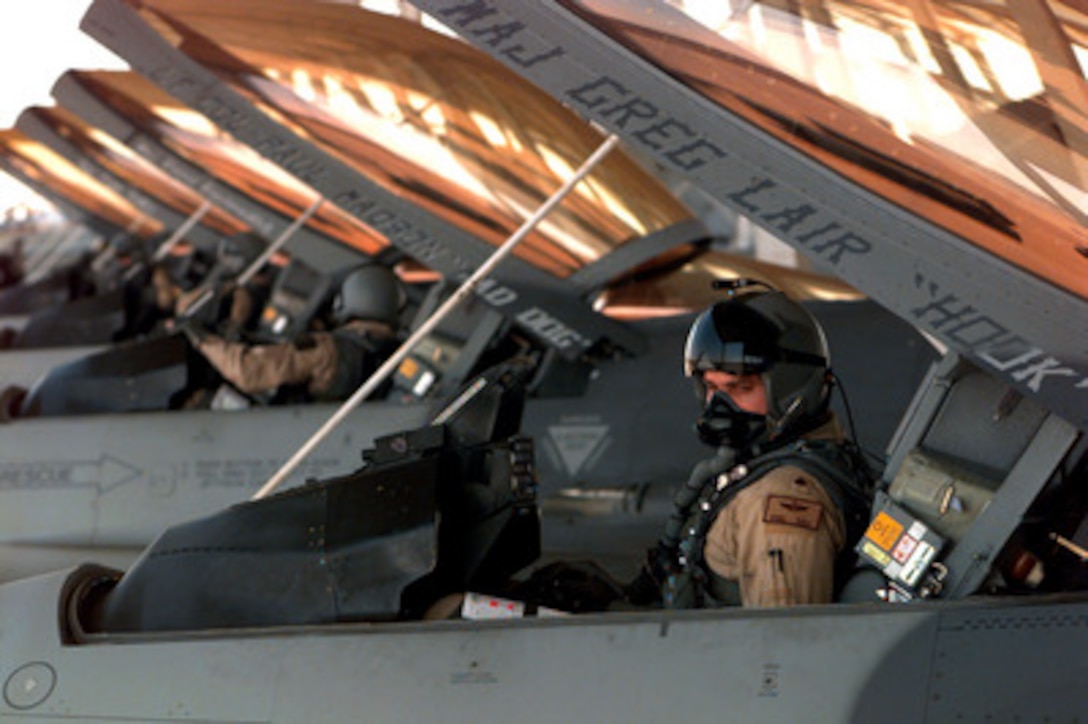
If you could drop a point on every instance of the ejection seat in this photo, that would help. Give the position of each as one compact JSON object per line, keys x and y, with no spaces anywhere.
{"x":446,"y":356}
{"x":969,"y":459}
{"x":295,"y":300}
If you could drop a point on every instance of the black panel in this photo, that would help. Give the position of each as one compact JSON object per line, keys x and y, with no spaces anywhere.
{"x":87,"y":321}
{"x":128,"y":378}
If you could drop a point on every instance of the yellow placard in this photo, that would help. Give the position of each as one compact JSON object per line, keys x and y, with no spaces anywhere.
{"x":409,"y":367}
{"x":875,"y":554}
{"x":884,"y":531}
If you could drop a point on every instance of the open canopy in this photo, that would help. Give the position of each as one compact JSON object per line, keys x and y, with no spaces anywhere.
{"x":117,"y":166}
{"x":427,"y":118}
{"x":969,"y":115}
{"x":931,"y":154}
{"x":195,"y":139}
{"x":56,"y":178}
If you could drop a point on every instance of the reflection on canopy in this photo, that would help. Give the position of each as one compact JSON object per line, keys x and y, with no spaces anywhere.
{"x":39,"y":164}
{"x":973,"y":115}
{"x":126,"y":165}
{"x":429,"y":118}
{"x":193,"y":137}
{"x":686,"y":285}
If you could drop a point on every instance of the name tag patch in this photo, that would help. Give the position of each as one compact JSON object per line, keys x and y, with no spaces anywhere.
{"x":795,"y":512}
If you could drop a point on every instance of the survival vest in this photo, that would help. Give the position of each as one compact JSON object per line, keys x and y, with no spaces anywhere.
{"x":359,"y":354}
{"x":838,"y":467}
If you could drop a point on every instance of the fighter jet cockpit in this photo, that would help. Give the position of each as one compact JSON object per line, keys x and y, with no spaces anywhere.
{"x":163,"y":371}
{"x":81,"y":303}
{"x":439,"y":509}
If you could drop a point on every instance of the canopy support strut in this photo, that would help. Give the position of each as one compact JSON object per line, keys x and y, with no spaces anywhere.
{"x":261,"y":260}
{"x":279,"y":241}
{"x":181,"y":231}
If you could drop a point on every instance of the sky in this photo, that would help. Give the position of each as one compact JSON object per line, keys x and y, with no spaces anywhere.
{"x":39,"y":40}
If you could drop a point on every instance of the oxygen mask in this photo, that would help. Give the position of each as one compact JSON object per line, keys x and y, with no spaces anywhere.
{"x":723,"y":424}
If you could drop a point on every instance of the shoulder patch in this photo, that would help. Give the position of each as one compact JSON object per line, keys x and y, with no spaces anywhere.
{"x":796,"y":512}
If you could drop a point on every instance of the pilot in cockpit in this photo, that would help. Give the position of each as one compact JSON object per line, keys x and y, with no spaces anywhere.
{"x":232,"y":309}
{"x":770,"y":519}
{"x":323,"y":365}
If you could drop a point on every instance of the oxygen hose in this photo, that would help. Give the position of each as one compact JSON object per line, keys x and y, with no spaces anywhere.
{"x":662,"y":559}
{"x":686,"y":496}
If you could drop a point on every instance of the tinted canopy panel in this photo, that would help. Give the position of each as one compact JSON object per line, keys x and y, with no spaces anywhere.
{"x":972,"y":115}
{"x":129,"y":167}
{"x":428,"y":117}
{"x":687,"y":285}
{"x":38,"y":164}
{"x":193,"y":137}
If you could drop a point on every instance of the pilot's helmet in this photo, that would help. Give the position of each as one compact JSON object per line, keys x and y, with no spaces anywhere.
{"x":760,"y":331}
{"x":235,"y":253}
{"x":371,"y":292}
{"x":128,"y":248}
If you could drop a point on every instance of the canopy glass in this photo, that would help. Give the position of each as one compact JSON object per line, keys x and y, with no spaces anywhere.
{"x":427,"y":117}
{"x":39,"y":164}
{"x":972,"y":115}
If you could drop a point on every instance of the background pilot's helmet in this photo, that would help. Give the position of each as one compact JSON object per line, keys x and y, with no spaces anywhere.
{"x":237,"y":252}
{"x":760,"y":332}
{"x":129,"y":248}
{"x":371,"y":292}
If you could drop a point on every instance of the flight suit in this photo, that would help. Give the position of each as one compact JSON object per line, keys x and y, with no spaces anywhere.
{"x":331,"y":365}
{"x":778,"y":538}
{"x":165,"y":292}
{"x":232,"y":310}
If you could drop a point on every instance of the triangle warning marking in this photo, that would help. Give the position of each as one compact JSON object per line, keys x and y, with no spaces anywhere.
{"x":576,"y":443}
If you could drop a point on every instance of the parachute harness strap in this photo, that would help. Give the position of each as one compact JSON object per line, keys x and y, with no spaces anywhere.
{"x":837,"y":466}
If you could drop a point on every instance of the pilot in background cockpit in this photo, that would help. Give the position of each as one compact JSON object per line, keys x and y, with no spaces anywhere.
{"x":13,"y":264}
{"x":151,"y":295}
{"x":159,"y":294}
{"x":322,"y":365}
{"x":771,"y":520}
{"x":233,"y":309}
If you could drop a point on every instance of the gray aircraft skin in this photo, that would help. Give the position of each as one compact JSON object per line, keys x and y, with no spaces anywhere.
{"x":989,"y":456}
{"x":23,"y":367}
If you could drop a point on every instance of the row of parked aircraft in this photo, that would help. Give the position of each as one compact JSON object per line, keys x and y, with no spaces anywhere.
{"x":934,"y":188}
